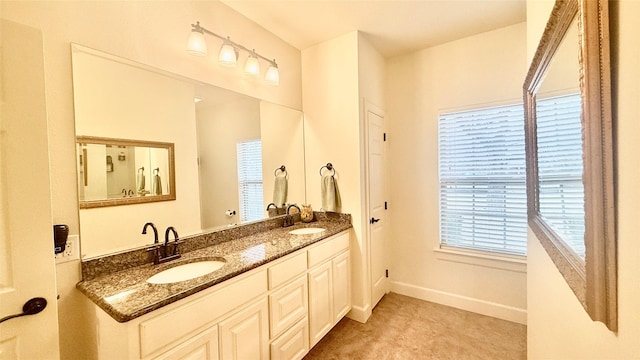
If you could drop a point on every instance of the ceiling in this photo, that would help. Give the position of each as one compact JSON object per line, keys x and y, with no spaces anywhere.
{"x":394,"y":27}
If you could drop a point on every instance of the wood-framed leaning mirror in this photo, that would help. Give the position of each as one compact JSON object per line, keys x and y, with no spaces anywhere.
{"x":121,"y":172}
{"x":569,"y":147}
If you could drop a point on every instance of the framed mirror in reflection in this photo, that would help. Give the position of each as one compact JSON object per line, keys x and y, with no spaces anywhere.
{"x":226,"y":147}
{"x":115,"y":172}
{"x":570,"y":187}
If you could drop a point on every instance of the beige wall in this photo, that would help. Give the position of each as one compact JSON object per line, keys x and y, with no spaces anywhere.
{"x":558,"y":326}
{"x":282,"y":145}
{"x":332,"y":132}
{"x":238,"y":121}
{"x":134,"y":103}
{"x":481,"y":70}
{"x":153,"y":33}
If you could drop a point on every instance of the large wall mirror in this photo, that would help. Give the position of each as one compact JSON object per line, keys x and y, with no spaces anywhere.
{"x":570,"y":185}
{"x":226,"y":148}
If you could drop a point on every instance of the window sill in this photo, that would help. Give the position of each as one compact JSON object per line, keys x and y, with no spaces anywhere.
{"x":498,"y":261}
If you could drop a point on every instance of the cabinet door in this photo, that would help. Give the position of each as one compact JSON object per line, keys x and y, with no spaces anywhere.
{"x":288,"y":305}
{"x":203,"y":346}
{"x":245,"y":335}
{"x":341,"y":286}
{"x":320,"y":302}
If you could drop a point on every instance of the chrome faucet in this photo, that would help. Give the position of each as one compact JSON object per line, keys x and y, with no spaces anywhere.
{"x":288,"y":219}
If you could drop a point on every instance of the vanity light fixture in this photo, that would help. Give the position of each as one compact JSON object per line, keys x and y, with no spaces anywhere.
{"x":229,"y":51}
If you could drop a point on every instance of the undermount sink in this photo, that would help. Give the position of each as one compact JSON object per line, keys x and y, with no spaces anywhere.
{"x":186,"y":272}
{"x":307,"y":231}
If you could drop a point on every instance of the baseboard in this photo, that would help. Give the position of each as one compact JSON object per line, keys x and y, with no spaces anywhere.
{"x":359,"y":314}
{"x":483,"y":307}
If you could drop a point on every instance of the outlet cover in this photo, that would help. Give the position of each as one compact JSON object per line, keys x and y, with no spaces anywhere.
{"x":71,"y":250}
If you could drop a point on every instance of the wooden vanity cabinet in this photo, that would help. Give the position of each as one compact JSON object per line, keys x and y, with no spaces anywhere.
{"x":277,"y":311}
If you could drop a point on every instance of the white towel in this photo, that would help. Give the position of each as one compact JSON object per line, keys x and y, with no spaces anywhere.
{"x":141,"y":184}
{"x":330,"y":194}
{"x":280,"y":191}
{"x":157,"y":185}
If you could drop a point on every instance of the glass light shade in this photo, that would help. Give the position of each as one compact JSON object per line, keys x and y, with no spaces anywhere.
{"x":228,"y":55}
{"x":196,"y":45}
{"x":273,"y":75}
{"x":252,"y":66}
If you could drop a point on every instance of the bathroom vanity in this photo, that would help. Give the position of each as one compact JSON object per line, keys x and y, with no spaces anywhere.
{"x":278,"y":293}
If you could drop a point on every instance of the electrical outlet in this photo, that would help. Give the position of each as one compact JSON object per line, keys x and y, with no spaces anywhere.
{"x":71,"y":250}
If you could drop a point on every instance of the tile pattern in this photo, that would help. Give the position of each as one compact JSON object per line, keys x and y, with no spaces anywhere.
{"x":117,"y":283}
{"x":402,"y":327}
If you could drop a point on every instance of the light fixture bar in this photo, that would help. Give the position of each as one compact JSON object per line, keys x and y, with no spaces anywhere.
{"x":199,"y":28}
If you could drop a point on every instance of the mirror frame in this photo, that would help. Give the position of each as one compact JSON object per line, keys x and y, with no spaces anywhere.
{"x":594,"y":279}
{"x":89,"y":204}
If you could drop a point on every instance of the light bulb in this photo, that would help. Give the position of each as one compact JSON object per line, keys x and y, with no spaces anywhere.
{"x":273,"y":74}
{"x":197,"y":45}
{"x":252,"y":66}
{"x":228,"y":55}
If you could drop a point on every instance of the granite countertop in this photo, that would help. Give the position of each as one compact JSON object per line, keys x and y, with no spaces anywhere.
{"x":125,"y":294}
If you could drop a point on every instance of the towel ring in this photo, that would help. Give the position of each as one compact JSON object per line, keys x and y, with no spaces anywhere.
{"x":329,"y":166}
{"x":142,"y":168}
{"x":282,"y":169}
{"x":156,"y":171}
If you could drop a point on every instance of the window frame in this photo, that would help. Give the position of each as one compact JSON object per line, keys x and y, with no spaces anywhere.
{"x":447,"y":247}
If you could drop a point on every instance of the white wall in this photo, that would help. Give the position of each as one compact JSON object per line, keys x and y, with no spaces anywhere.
{"x":481,"y":70}
{"x":153,"y":33}
{"x":558,"y":326}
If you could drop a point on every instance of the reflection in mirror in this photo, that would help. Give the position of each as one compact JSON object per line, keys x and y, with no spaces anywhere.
{"x":120,"y":172}
{"x":118,"y":98}
{"x":559,"y":138}
{"x":569,"y":146}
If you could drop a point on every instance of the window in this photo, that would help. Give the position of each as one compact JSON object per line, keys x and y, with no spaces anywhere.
{"x":561,"y":191}
{"x":483,"y":201}
{"x":250,"y":180}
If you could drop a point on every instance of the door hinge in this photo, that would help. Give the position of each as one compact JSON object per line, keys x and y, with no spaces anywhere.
{"x":384,"y":137}
{"x":385,"y":205}
{"x":386,"y":273}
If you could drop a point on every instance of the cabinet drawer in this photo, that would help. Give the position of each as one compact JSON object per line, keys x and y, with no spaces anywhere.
{"x":202,"y":346}
{"x":288,"y":305}
{"x":293,"y":344}
{"x":173,"y":325}
{"x":328,"y":249}
{"x":287,"y":270}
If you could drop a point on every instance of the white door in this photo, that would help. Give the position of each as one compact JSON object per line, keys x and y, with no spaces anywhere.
{"x":27,"y":265}
{"x":377,"y":219}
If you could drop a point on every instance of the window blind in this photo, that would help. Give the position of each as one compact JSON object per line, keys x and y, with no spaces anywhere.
{"x":561,"y":191}
{"x":250,"y":180}
{"x":483,"y":203}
